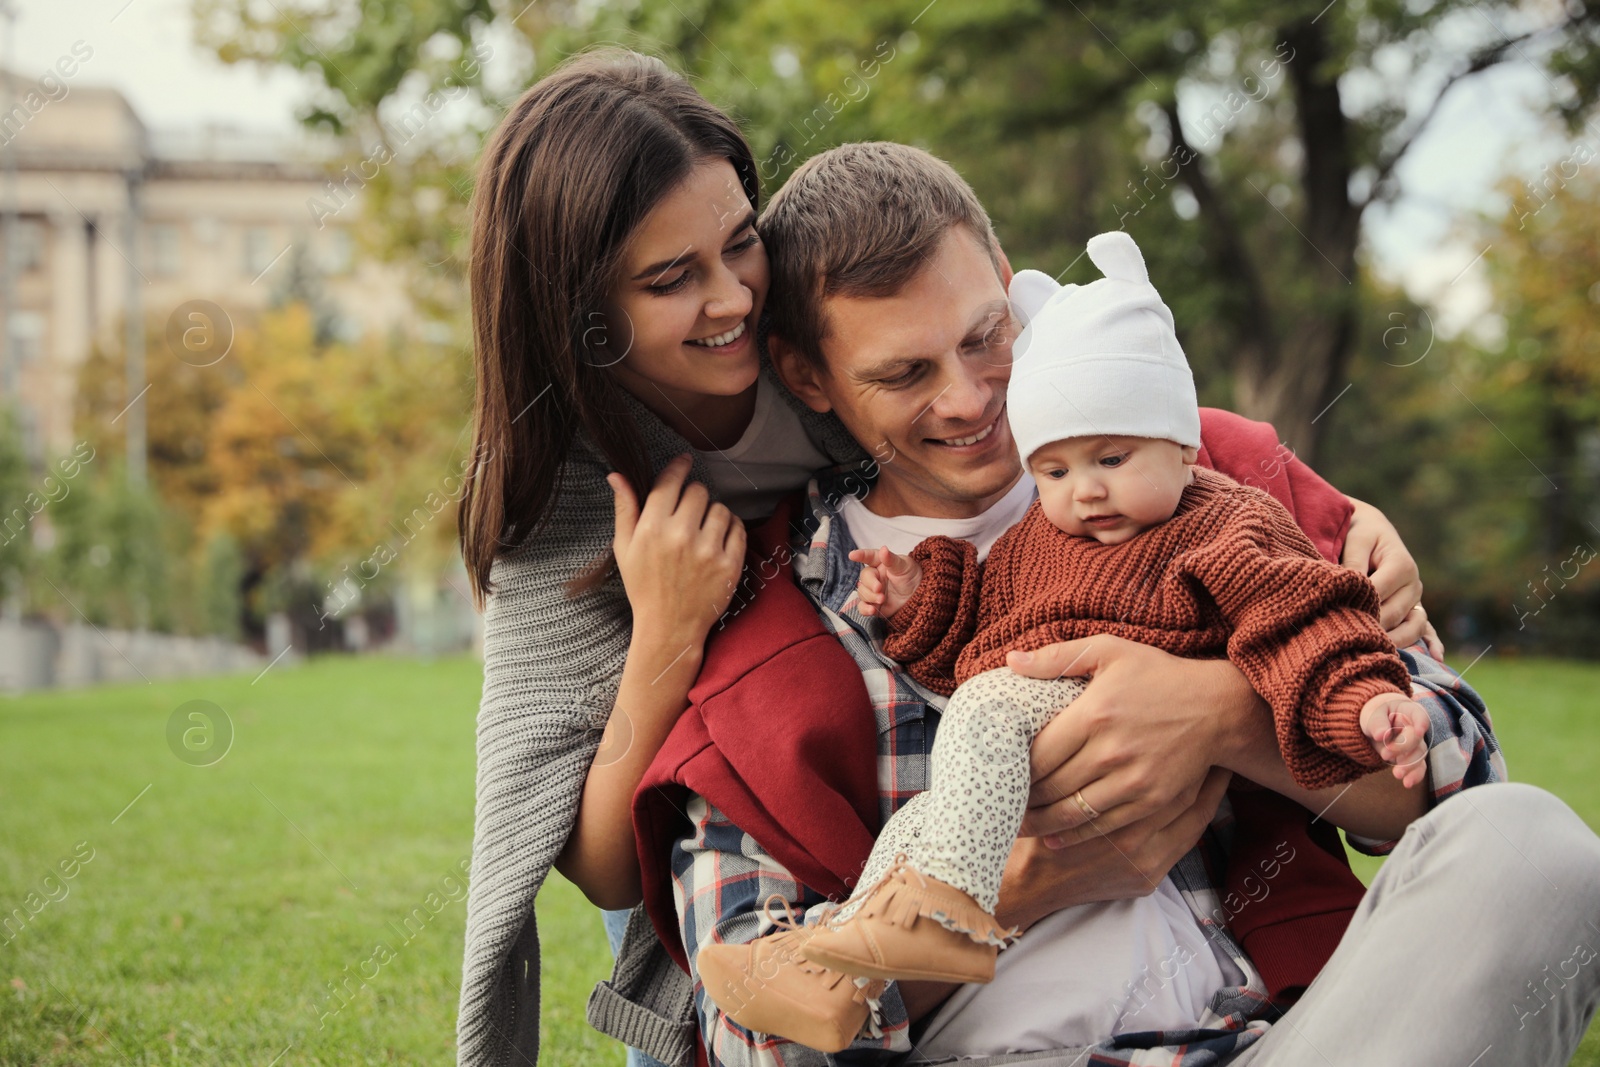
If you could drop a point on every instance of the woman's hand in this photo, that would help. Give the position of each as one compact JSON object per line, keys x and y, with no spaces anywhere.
{"x":1373,"y":548}
{"x":1144,"y":734}
{"x":1119,"y":865}
{"x":680,"y":555}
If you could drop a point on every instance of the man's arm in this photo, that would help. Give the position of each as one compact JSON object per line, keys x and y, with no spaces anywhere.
{"x":1120,"y":864}
{"x":1160,"y":723}
{"x":1375,"y":810}
{"x":1120,"y":760}
{"x":1462,"y":749}
{"x":721,"y":879}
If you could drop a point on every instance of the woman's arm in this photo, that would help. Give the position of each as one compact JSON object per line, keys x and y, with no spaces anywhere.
{"x":680,"y":556}
{"x":600,"y":856}
{"x":1373,"y":547}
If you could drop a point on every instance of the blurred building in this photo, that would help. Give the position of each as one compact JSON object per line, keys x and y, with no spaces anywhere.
{"x":109,"y":213}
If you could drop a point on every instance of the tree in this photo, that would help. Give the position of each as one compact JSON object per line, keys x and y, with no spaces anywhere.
{"x":1487,"y":455}
{"x":1539,"y":394}
{"x":16,"y":510}
{"x":1261,"y":132}
{"x":294,"y":457}
{"x":117,"y":555}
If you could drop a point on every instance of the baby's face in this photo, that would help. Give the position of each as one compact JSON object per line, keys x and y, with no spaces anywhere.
{"x":1110,"y":488}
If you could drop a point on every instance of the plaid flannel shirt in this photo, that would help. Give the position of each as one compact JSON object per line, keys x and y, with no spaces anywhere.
{"x":721,"y":876}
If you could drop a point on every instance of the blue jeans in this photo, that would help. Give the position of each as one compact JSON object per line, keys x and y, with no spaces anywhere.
{"x":616,"y":923}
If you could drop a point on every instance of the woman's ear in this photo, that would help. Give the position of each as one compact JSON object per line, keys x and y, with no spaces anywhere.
{"x":798,"y":374}
{"x":1190,"y":454}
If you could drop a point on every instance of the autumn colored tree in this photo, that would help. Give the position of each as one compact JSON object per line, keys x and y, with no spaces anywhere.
{"x":289,"y":458}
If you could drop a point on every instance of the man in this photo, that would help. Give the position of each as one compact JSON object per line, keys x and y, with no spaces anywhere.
{"x":889,"y":308}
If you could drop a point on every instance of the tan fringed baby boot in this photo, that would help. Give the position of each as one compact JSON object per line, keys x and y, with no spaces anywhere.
{"x":898,"y":931}
{"x":768,"y":986}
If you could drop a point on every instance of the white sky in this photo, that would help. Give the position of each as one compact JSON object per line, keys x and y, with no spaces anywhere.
{"x":1485,"y":131}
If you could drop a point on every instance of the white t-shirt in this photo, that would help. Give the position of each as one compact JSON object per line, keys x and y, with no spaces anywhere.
{"x":771,"y":459}
{"x":1084,"y":973}
{"x":902,"y":533}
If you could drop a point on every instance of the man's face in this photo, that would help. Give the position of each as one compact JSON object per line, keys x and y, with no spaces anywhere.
{"x":919,"y":379}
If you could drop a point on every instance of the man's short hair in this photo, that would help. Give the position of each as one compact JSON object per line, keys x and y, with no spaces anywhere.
{"x":861,"y":219}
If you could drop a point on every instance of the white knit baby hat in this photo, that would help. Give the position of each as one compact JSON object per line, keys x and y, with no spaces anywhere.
{"x":1100,"y":358}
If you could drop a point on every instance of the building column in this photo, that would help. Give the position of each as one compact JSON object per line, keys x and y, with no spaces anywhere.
{"x":110,"y":282}
{"x":68,"y":338}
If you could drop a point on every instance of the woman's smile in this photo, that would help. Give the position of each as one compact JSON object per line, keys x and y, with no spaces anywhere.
{"x":728,"y":341}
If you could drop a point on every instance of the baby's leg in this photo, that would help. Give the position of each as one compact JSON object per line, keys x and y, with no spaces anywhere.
{"x":901,"y":835}
{"x":980,"y":779}
{"x":955,"y":837}
{"x":960,"y":829}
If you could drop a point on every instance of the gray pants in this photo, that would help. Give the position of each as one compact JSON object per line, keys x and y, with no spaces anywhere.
{"x":1478,"y":945}
{"x":1475,"y":947}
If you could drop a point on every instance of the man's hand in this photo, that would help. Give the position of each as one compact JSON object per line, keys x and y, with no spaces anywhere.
{"x":1125,"y":863}
{"x":1373,"y":548}
{"x":1143,"y":735}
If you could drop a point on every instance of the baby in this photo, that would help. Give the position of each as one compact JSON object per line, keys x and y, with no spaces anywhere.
{"x":1128,"y":537}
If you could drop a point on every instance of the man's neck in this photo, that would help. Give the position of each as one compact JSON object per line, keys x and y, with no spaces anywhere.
{"x":891,"y":497}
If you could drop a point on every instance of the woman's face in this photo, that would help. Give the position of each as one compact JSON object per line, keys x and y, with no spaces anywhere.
{"x":682,"y":319}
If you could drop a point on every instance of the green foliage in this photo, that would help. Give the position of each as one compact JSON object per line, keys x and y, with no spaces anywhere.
{"x":1065,"y":118}
{"x":223,"y":578}
{"x":1487,"y":456}
{"x":16,"y":515}
{"x":276,"y":467}
{"x":112,"y":558}
{"x":363,"y":50}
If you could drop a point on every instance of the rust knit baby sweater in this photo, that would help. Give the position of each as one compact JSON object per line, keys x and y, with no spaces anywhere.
{"x":1229,"y":574}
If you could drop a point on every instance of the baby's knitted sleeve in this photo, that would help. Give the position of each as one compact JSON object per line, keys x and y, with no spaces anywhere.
{"x":1305,"y":633}
{"x":929,"y":631}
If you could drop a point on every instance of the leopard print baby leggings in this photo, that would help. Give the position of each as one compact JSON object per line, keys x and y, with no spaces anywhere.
{"x":960,"y":830}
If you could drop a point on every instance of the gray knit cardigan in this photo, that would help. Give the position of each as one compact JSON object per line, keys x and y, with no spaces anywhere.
{"x":552,"y":665}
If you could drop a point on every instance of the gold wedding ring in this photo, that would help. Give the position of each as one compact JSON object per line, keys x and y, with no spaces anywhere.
{"x":1083,"y":806}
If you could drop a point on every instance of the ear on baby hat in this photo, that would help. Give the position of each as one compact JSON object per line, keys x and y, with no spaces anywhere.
{"x":1118,"y":257}
{"x":1031,"y":290}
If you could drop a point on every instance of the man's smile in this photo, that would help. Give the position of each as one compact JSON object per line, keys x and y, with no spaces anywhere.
{"x":969,"y":440}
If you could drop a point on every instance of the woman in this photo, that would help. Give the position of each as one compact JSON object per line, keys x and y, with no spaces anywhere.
{"x":625,"y":423}
{"x":617,"y":283}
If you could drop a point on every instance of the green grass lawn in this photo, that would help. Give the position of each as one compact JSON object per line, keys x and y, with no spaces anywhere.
{"x":223,"y":903}
{"x":219,"y":907}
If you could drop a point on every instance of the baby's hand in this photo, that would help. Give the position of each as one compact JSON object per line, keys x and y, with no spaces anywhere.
{"x":1398,"y":729}
{"x":887,"y":581}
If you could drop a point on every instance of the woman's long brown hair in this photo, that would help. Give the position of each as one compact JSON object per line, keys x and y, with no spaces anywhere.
{"x":572,"y":170}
